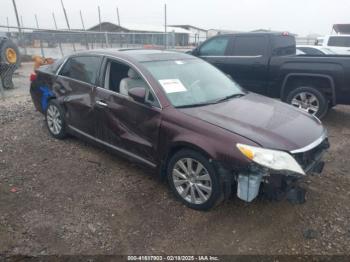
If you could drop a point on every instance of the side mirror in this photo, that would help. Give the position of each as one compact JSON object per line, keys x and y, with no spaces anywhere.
{"x":195,"y":52}
{"x":138,"y":94}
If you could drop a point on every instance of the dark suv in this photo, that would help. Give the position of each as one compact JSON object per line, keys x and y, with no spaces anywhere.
{"x":182,"y":117}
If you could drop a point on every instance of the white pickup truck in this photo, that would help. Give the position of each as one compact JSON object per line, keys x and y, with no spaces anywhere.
{"x":339,"y":44}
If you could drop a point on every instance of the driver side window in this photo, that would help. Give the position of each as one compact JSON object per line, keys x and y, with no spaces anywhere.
{"x":214,"y":47}
{"x":120,"y":78}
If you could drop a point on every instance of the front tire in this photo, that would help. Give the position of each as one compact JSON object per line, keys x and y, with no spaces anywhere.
{"x":310,"y":100}
{"x":54,"y":116}
{"x":194,"y":180}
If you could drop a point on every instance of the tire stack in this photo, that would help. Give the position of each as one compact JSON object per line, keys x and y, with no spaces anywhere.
{"x":9,"y":61}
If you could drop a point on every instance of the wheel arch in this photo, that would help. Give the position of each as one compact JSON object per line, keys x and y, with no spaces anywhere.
{"x":289,"y":79}
{"x":46,"y":96}
{"x":181,"y":145}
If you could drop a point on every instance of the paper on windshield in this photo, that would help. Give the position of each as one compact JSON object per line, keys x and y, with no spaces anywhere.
{"x":172,"y":85}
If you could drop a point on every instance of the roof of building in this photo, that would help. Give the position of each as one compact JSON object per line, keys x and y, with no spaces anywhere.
{"x":189,"y":26}
{"x":225,"y":31}
{"x":140,"y":28}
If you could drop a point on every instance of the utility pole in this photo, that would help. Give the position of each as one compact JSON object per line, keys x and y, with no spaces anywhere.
{"x":58,"y":39}
{"x":41,"y":43}
{"x":24,"y":44}
{"x":17,"y":17}
{"x":165,"y":28}
{"x":19,"y":26}
{"x":100,"y":23}
{"x":8,"y":24}
{"x":82,"y":21}
{"x":99,"y":18}
{"x":118,"y":18}
{"x":65,"y":15}
{"x":83,"y":25}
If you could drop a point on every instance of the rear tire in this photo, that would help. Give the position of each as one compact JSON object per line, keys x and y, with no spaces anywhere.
{"x":6,"y":73}
{"x":194,"y":180}
{"x":9,"y":61}
{"x":310,"y":100}
{"x":55,"y":122}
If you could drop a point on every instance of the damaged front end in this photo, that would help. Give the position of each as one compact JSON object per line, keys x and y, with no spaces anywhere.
{"x":277,"y":174}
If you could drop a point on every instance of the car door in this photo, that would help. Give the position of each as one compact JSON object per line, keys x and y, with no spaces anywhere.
{"x":248,"y":62}
{"x":125,"y":125}
{"x":215,"y":50}
{"x":75,"y":83}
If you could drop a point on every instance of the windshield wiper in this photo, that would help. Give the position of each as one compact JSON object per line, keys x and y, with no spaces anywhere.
{"x":229,"y":97}
{"x":213,"y":102}
{"x":196,"y":105}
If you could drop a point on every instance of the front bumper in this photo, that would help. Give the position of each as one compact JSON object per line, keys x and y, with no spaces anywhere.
{"x":277,"y":185}
{"x":311,"y":161}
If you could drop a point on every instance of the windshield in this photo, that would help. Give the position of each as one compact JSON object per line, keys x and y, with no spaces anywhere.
{"x":192,"y":82}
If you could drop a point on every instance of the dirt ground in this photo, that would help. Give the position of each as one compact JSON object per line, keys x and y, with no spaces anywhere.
{"x":67,"y":197}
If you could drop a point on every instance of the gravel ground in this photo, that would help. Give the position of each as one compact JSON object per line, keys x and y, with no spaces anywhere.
{"x":67,"y":197}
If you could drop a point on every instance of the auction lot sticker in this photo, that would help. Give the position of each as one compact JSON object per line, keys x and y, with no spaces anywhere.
{"x":172,"y":85}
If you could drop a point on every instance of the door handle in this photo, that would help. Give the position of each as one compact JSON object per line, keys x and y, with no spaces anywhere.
{"x":101,"y":103}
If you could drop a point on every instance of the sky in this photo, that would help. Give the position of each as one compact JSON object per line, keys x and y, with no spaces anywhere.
{"x":302,"y":17}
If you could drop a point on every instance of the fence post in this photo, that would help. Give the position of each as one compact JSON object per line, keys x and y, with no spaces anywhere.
{"x":106,"y":36}
{"x":41,"y":43}
{"x":58,"y":37}
{"x":2,"y":91}
{"x":173,"y":38}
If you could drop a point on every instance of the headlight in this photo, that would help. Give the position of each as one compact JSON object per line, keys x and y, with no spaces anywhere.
{"x":276,"y":160}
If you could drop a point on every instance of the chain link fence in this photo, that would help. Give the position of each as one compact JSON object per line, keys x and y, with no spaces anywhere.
{"x":58,"y":43}
{"x":31,"y":42}
{"x":306,"y":40}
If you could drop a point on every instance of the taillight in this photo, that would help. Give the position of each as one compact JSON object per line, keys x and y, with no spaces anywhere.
{"x":32,"y":77}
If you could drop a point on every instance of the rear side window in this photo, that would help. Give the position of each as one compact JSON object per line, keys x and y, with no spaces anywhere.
{"x":83,"y":68}
{"x":250,"y":45}
{"x":52,"y":68}
{"x":214,"y":47}
{"x":339,"y":41}
{"x":283,"y":45}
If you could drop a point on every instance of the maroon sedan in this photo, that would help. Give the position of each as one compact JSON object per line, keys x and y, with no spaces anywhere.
{"x":184,"y":118}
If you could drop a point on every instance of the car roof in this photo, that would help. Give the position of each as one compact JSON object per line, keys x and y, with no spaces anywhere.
{"x":141,"y":55}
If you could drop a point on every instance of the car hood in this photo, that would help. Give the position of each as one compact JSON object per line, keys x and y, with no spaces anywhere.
{"x":268,"y":122}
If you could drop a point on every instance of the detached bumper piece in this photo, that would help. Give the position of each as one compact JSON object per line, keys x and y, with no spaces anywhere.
{"x":279,"y":187}
{"x":311,"y":161}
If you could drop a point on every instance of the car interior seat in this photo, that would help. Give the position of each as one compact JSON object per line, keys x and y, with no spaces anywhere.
{"x":133,"y":80}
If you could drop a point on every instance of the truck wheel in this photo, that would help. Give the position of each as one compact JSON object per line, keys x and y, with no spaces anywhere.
{"x":194,"y":180}
{"x":9,"y":53}
{"x":310,"y":100}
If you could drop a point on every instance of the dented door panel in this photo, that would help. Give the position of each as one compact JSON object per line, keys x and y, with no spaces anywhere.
{"x":126,"y":124}
{"x":78,"y":103}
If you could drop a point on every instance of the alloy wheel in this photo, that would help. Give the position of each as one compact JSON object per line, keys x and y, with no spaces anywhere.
{"x":307,"y":102}
{"x":54,"y":119}
{"x":192,"y":181}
